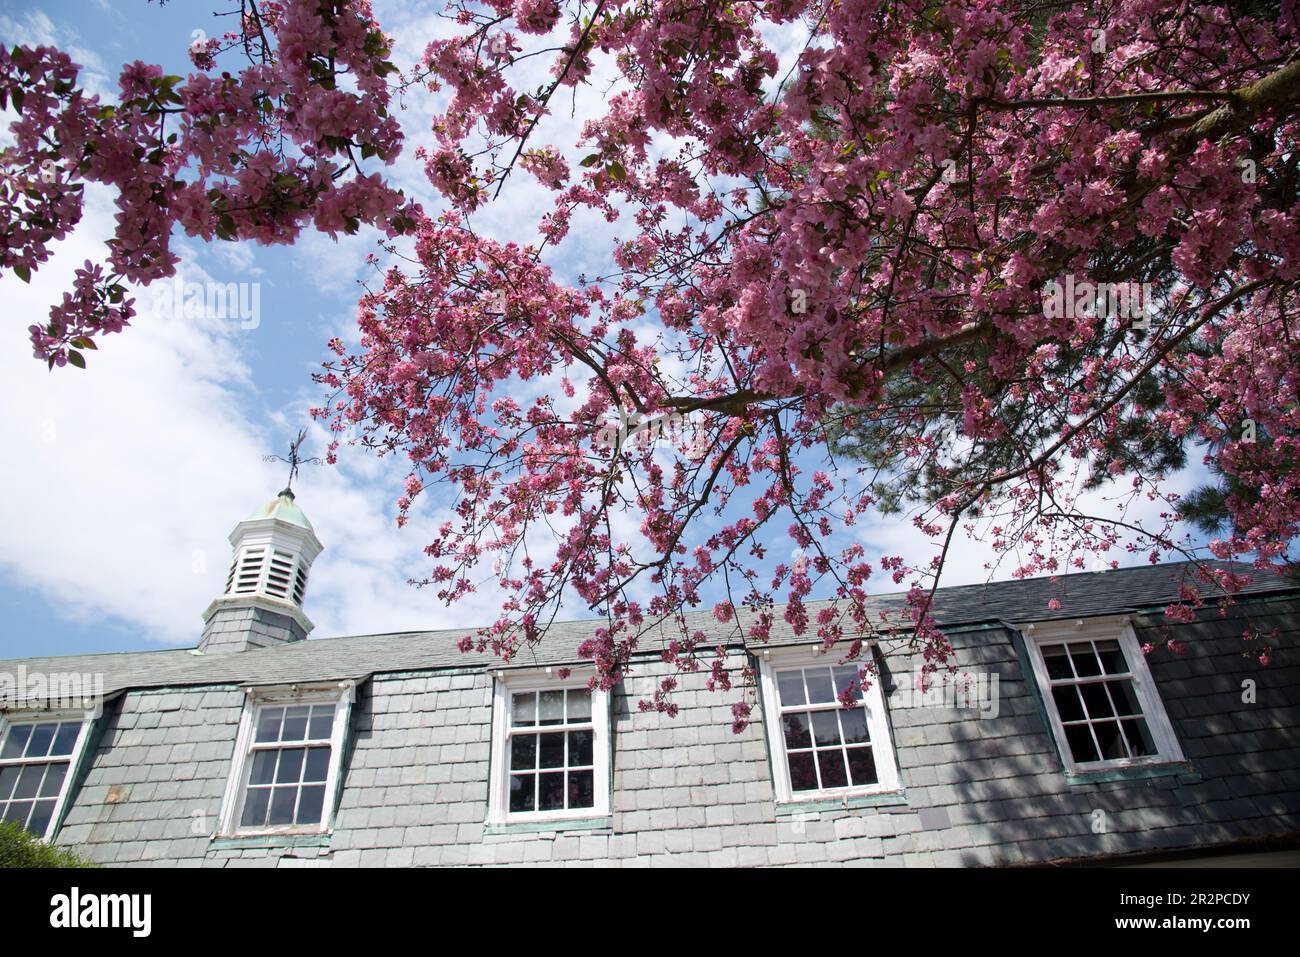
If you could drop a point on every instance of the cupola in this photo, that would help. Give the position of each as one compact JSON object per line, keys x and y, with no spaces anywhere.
{"x":273,"y":550}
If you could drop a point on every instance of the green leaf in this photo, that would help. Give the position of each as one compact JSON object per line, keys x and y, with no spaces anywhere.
{"x":23,"y":272}
{"x":591,"y":160}
{"x":75,"y":358}
{"x":616,"y":171}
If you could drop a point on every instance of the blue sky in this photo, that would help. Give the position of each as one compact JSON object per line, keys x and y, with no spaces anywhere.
{"x":119,"y":485}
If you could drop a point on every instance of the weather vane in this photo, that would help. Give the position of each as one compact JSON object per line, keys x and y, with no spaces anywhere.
{"x":294,"y":459}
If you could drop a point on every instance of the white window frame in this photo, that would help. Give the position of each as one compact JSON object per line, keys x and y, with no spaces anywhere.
{"x":773,"y":660}
{"x":342,"y":694}
{"x":508,"y":683}
{"x":1108,"y":628}
{"x":9,"y":718}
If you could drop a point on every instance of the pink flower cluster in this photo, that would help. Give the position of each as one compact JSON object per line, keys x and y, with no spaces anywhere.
{"x":258,"y":155}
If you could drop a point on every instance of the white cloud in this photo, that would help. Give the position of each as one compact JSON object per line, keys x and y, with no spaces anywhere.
{"x":122,"y":482}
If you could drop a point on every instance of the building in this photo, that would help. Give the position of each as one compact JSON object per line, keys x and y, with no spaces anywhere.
{"x":1063,"y":743}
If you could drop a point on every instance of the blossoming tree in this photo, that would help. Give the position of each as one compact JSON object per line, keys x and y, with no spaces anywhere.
{"x":971,"y":258}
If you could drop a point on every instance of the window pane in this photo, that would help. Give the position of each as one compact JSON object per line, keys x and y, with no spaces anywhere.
{"x":54,"y":780}
{"x":38,"y":746}
{"x":282,"y":801}
{"x":1126,"y":702}
{"x":551,"y":707}
{"x":803,"y":776}
{"x":582,"y":792}
{"x":550,"y":791}
{"x":1082,"y":748}
{"x":523,"y":752}
{"x":1140,"y":742}
{"x":1110,"y":740}
{"x":854,"y":723}
{"x":1085,"y":662}
{"x":579,"y":704}
{"x":862,"y":767}
{"x":524,"y":709}
{"x":318,"y":764}
{"x":310,"y":804}
{"x":263,"y":768}
{"x":789,"y":685}
{"x":580,"y":749}
{"x":255,"y":808}
{"x":295,"y":723}
{"x":322,"y":722}
{"x":1096,"y":701}
{"x":843,"y":676}
{"x":796,"y":730}
{"x":30,"y":782}
{"x":268,"y":724}
{"x":290,"y":769}
{"x":8,"y":778}
{"x":65,"y":738}
{"x":18,"y":812}
{"x":551,"y":750}
{"x":1112,"y":657}
{"x":831,"y":764}
{"x":826,"y":727}
{"x":521,"y":792}
{"x":40,"y":819}
{"x":1058,"y":665}
{"x":821,"y":687}
{"x":1067,"y":702}
{"x":16,"y":740}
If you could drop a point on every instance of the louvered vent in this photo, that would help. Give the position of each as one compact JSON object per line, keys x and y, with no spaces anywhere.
{"x":300,"y":584}
{"x":279,"y":574}
{"x":250,"y":571}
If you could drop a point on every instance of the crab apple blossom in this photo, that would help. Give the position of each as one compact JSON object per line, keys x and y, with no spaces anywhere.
{"x":837,"y":223}
{"x":259,"y":154}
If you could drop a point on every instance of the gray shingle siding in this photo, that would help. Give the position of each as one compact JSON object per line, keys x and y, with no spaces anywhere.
{"x":686,"y":791}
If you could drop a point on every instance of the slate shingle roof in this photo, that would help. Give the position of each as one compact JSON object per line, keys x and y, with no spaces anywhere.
{"x":1080,"y":595}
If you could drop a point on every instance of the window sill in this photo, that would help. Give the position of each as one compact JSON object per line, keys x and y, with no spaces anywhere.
{"x":242,"y":841}
{"x":1133,"y":772}
{"x":845,"y":803}
{"x":559,"y":824}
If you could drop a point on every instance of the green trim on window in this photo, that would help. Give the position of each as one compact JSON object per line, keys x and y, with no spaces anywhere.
{"x":345,"y":754}
{"x":270,"y":840}
{"x":885,"y":799}
{"x":1140,"y":772}
{"x":1026,"y":662}
{"x":94,"y":735}
{"x":569,"y":824}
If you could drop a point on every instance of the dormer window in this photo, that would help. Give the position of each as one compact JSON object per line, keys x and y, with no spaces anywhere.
{"x":821,"y":749}
{"x":287,"y":761}
{"x":1101,"y":701}
{"x":550,"y":749}
{"x":37,"y":754}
